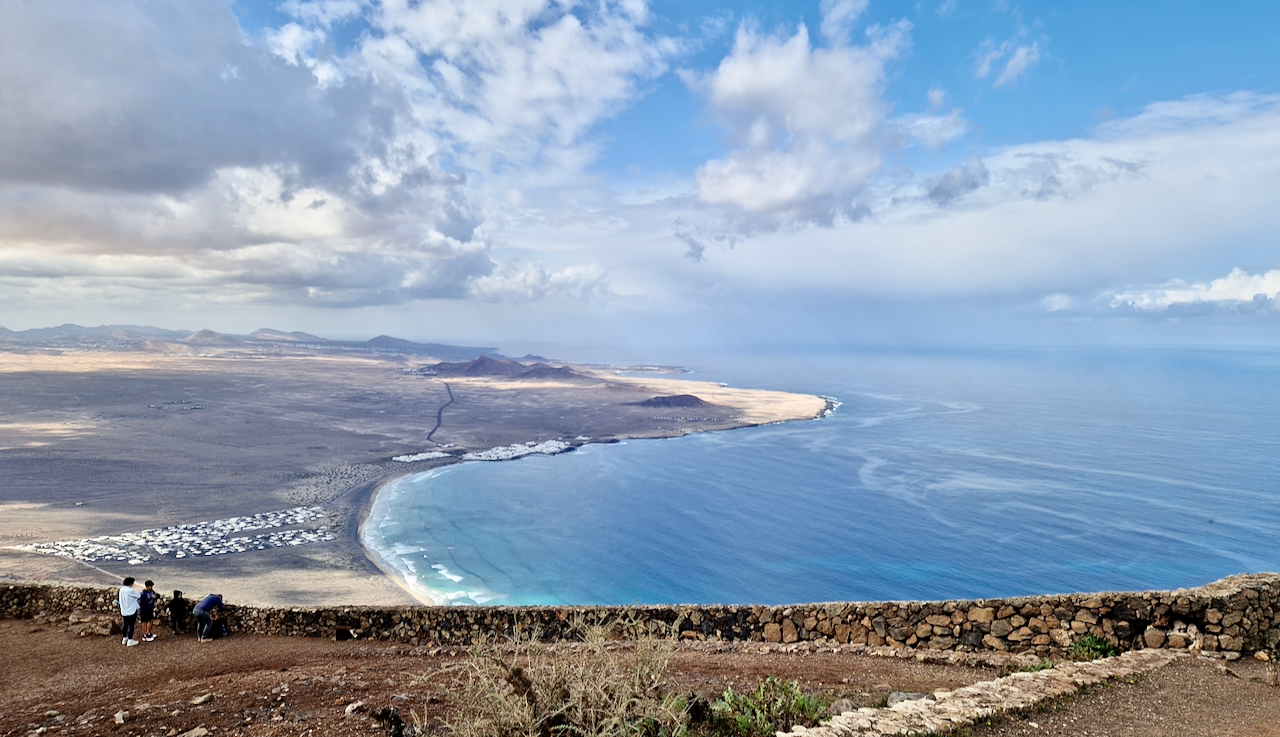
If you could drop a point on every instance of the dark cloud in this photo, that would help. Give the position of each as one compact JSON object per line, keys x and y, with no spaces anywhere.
{"x":154,"y":97}
{"x":959,"y":181}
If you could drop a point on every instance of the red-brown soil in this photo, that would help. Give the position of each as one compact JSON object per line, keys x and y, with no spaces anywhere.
{"x":52,"y":679}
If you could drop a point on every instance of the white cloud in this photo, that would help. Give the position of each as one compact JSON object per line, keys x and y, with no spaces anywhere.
{"x":803,"y":122}
{"x":1185,"y":184}
{"x":1236,"y":288}
{"x":160,"y":141}
{"x":533,"y":282}
{"x":839,"y":18}
{"x":1015,"y":53}
{"x":933,"y":131}
{"x":1021,"y":60}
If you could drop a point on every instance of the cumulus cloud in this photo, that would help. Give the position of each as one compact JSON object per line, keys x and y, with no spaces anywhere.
{"x":803,"y":120}
{"x":1235,"y":290}
{"x":1184,"y":182}
{"x":535,"y":282}
{"x":159,"y":141}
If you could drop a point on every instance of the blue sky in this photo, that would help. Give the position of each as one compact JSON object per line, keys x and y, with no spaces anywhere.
{"x":743,"y":173}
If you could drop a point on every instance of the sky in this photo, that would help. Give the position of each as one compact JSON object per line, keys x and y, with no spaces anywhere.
{"x":553,"y":172}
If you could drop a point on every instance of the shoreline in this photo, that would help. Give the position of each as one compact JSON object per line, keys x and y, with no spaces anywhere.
{"x":392,"y":573}
{"x":420,"y":592}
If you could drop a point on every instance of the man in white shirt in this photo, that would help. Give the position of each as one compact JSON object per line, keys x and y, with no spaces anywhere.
{"x":129,"y":610}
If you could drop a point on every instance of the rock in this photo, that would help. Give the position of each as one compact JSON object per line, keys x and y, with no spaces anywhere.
{"x":1153,"y":637}
{"x":1086,"y":616}
{"x":354,"y":707}
{"x":1001,"y":627}
{"x":121,"y":716}
{"x":939,"y":620}
{"x":202,"y":699}
{"x":772,"y":632}
{"x":1178,"y":641}
{"x":197,"y":732}
{"x":1261,"y":655}
{"x":1229,"y":642}
{"x":789,"y":632}
{"x":840,"y":706}
{"x":994,"y":643}
{"x":897,"y":697}
{"x":982,"y":614}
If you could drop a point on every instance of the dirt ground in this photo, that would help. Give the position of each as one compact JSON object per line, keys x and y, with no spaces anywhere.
{"x":52,"y":679}
{"x":1191,"y":697}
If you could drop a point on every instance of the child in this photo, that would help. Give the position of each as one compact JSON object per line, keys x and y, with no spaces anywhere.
{"x":147,"y":599}
{"x":178,"y":609}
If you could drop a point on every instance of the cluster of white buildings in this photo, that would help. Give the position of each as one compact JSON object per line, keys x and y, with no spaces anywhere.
{"x":217,"y":537}
{"x":429,"y":455}
{"x":508,"y":452}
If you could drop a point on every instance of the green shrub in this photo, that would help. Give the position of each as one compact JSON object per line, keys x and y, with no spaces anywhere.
{"x":775,"y":706}
{"x":1092,"y":647}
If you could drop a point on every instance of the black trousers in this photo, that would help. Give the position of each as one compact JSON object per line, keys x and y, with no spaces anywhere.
{"x":129,"y":621}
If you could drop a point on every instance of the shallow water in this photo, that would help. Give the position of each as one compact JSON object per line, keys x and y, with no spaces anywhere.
{"x":942,"y":475}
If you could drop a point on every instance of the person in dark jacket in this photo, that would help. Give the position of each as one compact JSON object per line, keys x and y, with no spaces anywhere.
{"x":179,"y":609}
{"x":209,"y":608}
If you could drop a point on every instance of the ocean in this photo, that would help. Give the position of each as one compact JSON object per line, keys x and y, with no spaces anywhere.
{"x":942,"y":474}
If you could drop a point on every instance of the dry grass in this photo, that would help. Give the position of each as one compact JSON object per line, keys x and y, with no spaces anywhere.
{"x":523,"y":687}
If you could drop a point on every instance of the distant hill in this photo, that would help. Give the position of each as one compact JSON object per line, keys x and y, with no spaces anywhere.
{"x":388,"y":344}
{"x":145,"y":338}
{"x":70,"y":332}
{"x":208,"y":337}
{"x":505,"y":367}
{"x":279,"y":336}
{"x":674,"y":400}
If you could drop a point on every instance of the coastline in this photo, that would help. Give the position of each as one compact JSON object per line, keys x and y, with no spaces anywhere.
{"x":372,"y":553}
{"x":790,"y":412}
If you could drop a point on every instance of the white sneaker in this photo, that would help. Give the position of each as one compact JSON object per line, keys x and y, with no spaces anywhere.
{"x":130,"y":643}
{"x":124,"y":640}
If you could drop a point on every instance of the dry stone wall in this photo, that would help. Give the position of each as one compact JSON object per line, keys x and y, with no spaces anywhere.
{"x":1239,"y":614}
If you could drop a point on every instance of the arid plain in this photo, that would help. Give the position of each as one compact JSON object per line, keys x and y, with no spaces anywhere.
{"x":108,"y":441}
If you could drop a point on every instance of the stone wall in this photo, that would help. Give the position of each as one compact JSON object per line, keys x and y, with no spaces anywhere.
{"x":1239,"y":614}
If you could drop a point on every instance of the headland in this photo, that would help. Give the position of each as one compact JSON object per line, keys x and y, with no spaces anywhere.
{"x":177,"y":459}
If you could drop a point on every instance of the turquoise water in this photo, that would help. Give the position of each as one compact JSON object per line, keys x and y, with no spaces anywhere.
{"x":941,"y":475}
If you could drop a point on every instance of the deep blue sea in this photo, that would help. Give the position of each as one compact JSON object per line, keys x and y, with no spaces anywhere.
{"x":941,"y":475}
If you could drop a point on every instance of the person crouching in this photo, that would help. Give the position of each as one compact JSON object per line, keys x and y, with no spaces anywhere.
{"x":209,"y":608}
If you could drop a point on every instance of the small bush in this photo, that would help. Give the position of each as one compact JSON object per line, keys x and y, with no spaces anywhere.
{"x":1092,"y":647}
{"x":520,"y":688}
{"x":1043,"y":664}
{"x":775,"y":706}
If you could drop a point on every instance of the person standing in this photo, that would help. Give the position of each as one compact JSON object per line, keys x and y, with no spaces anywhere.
{"x":209,"y":607}
{"x":147,"y":599}
{"x":128,"y":610}
{"x":178,"y":609}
